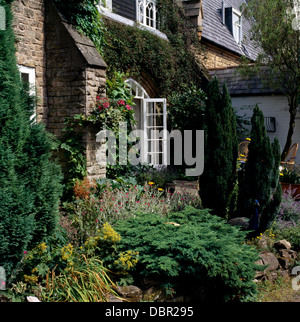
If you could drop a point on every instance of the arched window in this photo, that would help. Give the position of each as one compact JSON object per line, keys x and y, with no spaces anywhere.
{"x":151,"y":117}
{"x":136,"y":89}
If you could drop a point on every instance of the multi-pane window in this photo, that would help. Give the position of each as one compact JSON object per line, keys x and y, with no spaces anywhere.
{"x":237,"y":27}
{"x":151,"y":117}
{"x":147,"y":13}
{"x":155,"y":126}
{"x":28,"y":76}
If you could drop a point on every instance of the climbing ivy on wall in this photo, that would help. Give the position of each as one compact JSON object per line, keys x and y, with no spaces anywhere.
{"x":84,"y":15}
{"x":130,"y":49}
{"x":170,"y":63}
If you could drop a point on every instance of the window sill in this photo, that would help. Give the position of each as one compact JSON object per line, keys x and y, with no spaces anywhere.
{"x":125,"y":21}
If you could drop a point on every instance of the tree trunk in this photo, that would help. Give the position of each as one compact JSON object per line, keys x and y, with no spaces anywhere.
{"x":293,"y":112}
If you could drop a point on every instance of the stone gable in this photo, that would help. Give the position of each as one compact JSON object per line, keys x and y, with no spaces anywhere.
{"x":68,"y":69}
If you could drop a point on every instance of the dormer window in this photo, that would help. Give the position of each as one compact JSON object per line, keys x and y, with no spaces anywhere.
{"x":147,"y":13}
{"x":233,"y":20}
{"x":237,"y":26}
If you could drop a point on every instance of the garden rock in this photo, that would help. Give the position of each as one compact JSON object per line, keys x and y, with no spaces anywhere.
{"x":288,"y":253}
{"x":152,"y":294}
{"x":282,"y":244}
{"x":243,"y":222}
{"x":268,"y":259}
{"x":284,"y":263}
{"x":113,"y":298}
{"x":130,"y":293}
{"x":287,"y":258}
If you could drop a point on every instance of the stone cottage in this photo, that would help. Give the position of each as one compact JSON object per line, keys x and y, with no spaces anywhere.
{"x":63,"y":66}
{"x":67,"y":71}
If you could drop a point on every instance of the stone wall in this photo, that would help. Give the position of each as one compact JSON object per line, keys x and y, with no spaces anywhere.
{"x":215,"y":57}
{"x":29,"y":22}
{"x":75,"y":73}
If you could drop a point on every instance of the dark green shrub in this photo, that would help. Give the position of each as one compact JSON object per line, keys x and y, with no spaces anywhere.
{"x":221,"y":149}
{"x":193,"y":246}
{"x":29,"y":181}
{"x":260,"y":177}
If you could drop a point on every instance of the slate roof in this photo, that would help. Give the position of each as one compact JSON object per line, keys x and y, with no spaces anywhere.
{"x":219,"y":34}
{"x":238,"y":85}
{"x":86,"y":47}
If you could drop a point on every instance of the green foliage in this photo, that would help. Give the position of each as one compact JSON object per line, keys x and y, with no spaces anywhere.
{"x":73,"y":153}
{"x":192,"y":245}
{"x":169,"y":63}
{"x":290,"y":176}
{"x":260,"y":178}
{"x":159,"y":176}
{"x":221,"y":147}
{"x":292,"y":234}
{"x":84,"y":15}
{"x":51,"y":265}
{"x":108,"y":113}
{"x":29,"y":180}
{"x":186,"y":108}
{"x":87,"y":281}
{"x":117,"y":89}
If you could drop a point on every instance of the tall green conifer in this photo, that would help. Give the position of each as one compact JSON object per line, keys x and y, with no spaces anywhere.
{"x":29,"y":182}
{"x":260,"y":178}
{"x":221,"y":145}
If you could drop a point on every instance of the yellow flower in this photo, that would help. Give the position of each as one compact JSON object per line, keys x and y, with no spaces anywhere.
{"x":248,"y":139}
{"x":281,"y":174}
{"x":110,"y":234}
{"x":150,"y":183}
{"x":66,"y":252}
{"x":160,"y":189}
{"x":31,"y":279}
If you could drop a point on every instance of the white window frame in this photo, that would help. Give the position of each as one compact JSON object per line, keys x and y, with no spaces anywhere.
{"x":106,"y":4}
{"x":140,"y":93}
{"x":237,"y":27}
{"x":142,"y":17}
{"x":30,"y":71}
{"x":164,"y":130}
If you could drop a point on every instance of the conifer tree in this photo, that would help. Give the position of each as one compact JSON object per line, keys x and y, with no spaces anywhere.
{"x":217,"y":181}
{"x":29,"y":181}
{"x":260,"y":178}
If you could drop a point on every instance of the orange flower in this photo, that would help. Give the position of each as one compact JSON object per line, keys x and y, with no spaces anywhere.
{"x":82,"y":189}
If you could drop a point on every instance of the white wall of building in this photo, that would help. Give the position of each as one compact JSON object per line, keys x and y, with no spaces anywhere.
{"x":271,"y":106}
